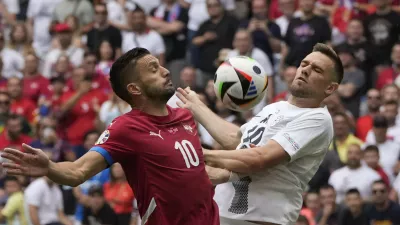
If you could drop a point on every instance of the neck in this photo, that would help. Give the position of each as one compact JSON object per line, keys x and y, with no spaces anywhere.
{"x":101,"y":25}
{"x":354,"y":167}
{"x":154,"y":109}
{"x":380,"y":141}
{"x":217,"y":18}
{"x":140,"y":30}
{"x":341,"y":138}
{"x":31,"y":74}
{"x":304,"y":102}
{"x":169,"y":4}
{"x":373,"y":112}
{"x":384,"y":10}
{"x":353,"y":41}
{"x":356,"y":212}
{"x":382,"y":207}
{"x":307,"y":16}
{"x":65,"y":47}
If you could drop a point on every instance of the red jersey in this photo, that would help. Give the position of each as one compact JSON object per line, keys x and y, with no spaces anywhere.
{"x":163,"y":162}
{"x":120,"y":196}
{"x":81,"y":118}
{"x":34,"y":87}
{"x":98,"y":82}
{"x":364,"y":124}
{"x":7,"y":142}
{"x":387,"y":76}
{"x":24,"y":107}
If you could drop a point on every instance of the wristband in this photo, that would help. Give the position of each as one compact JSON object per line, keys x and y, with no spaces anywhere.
{"x":233,"y":177}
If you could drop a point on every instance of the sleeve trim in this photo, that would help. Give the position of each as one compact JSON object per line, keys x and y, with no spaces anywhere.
{"x":104,"y":153}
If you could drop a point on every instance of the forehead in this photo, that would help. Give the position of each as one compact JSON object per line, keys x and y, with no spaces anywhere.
{"x":146,"y":61}
{"x":320,"y":60}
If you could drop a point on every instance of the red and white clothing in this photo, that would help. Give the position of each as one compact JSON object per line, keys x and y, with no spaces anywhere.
{"x":35,"y":86}
{"x":25,"y":108}
{"x":5,"y":141}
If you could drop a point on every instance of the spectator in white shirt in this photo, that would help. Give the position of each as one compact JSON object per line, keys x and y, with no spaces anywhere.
{"x":389,"y":150}
{"x":75,"y":54}
{"x":354,"y":175}
{"x":45,"y":203}
{"x":288,"y":9}
{"x":13,"y":62}
{"x":390,"y":112}
{"x":141,"y":36}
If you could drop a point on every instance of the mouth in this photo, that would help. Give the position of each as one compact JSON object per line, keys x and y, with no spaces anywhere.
{"x":168,"y":82}
{"x":302,"y":79}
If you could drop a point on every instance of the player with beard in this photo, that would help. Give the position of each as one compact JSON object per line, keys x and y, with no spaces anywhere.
{"x":278,"y":151}
{"x":157,"y":146}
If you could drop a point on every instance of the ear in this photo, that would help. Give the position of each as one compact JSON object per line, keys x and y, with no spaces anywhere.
{"x":331,"y":88}
{"x":134,"y":89}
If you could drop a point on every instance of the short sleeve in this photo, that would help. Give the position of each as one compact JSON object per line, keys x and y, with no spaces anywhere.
{"x":113,"y":142}
{"x":306,"y":135}
{"x":33,"y":195}
{"x":12,"y":6}
{"x":12,"y":205}
{"x":229,"y":4}
{"x":32,"y":10}
{"x":160,"y":44}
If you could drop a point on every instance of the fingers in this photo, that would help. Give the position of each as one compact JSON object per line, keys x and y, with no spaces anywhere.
{"x":11,"y":157}
{"x":182,"y":92}
{"x":14,"y":152}
{"x":180,"y":104}
{"x":29,"y":149}
{"x":181,"y":97}
{"x":253,"y":146}
{"x":14,"y":169}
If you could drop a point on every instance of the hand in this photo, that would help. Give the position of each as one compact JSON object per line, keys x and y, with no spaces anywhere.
{"x":84,"y":86}
{"x":217,"y":175}
{"x":262,"y":25}
{"x":209,"y":36}
{"x":252,"y":25}
{"x":327,"y":210}
{"x":190,"y":99}
{"x":33,"y":162}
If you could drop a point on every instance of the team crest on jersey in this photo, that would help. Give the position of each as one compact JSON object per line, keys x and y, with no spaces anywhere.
{"x":188,"y":129}
{"x":103,"y":138}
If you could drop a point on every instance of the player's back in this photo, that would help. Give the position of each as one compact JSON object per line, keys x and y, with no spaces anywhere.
{"x":163,"y":162}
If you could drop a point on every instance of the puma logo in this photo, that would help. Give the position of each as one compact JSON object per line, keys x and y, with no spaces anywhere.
{"x":155,"y":134}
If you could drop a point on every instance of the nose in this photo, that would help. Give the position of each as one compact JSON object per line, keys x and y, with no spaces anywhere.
{"x":306,"y":70}
{"x":165,"y":72}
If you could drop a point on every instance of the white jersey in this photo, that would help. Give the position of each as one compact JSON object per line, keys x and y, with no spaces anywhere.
{"x":275,"y":195}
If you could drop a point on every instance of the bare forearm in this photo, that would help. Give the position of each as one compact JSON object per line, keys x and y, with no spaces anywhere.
{"x":217,"y":175}
{"x":70,"y":103}
{"x":222,"y":131}
{"x":239,"y":161}
{"x":66,"y":173}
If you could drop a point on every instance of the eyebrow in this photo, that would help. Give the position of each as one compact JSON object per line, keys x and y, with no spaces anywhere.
{"x":313,"y":64}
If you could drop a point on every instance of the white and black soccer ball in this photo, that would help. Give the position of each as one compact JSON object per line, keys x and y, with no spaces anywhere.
{"x":240,"y":83}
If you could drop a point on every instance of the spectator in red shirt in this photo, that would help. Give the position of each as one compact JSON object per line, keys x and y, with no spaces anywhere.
{"x":389,"y":75}
{"x":20,"y":105}
{"x":80,"y":107}
{"x":33,"y":82}
{"x":364,"y":123}
{"x":371,"y":157}
{"x":5,"y":102}
{"x":119,"y":195}
{"x":12,"y":135}
{"x":288,"y":75}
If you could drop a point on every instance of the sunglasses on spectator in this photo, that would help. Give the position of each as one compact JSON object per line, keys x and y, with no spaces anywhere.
{"x":4,"y":102}
{"x":373,"y":97}
{"x":103,"y":12}
{"x":376,"y":191}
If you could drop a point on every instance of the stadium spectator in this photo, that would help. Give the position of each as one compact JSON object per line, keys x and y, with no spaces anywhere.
{"x":98,"y":211}
{"x":111,"y":109}
{"x":64,"y":36}
{"x":213,"y":35}
{"x":383,"y":210}
{"x":353,"y":175}
{"x":14,"y":209}
{"x":106,"y":56}
{"x":302,"y":33}
{"x":141,"y":36}
{"x":390,"y":93}
{"x":62,"y":67}
{"x":389,"y":150}
{"x":243,"y":45}
{"x":389,"y":75}
{"x":329,"y":213}
{"x":288,"y":75}
{"x":102,"y":31}
{"x":352,"y":83}
{"x":381,"y":32}
{"x":170,"y":20}
{"x":20,"y":40}
{"x":364,"y":123}
{"x":372,"y":158}
{"x":13,"y":62}
{"x":5,"y":102}
{"x":188,"y":78}
{"x":79,"y":107}
{"x":390,"y":112}
{"x":39,"y":15}
{"x":312,"y":207}
{"x":12,"y":134}
{"x":266,"y":33}
{"x":45,"y":203}
{"x":82,"y":9}
{"x":20,"y":104}
{"x":343,"y":137}
{"x":119,"y":195}
{"x":99,"y":81}
{"x":288,"y":8}
{"x":33,"y":82}
{"x":354,"y":213}
{"x":77,"y":38}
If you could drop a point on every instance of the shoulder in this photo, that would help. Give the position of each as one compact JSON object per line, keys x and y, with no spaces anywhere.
{"x":182,"y":114}
{"x":35,"y":186}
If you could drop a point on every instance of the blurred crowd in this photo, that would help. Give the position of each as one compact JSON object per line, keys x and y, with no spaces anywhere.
{"x":55,"y":57}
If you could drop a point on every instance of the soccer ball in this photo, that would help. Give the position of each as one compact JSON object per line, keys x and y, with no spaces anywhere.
{"x":240,"y":83}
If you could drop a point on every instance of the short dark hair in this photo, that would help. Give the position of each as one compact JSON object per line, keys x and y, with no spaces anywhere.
{"x":380,"y":182}
{"x":11,"y":178}
{"x":123,"y":70}
{"x":328,"y":51}
{"x":342,"y":114}
{"x":353,"y":191}
{"x":380,"y":122}
{"x":371,"y":148}
{"x":95,"y":190}
{"x":326,"y":187}
{"x":89,"y":133}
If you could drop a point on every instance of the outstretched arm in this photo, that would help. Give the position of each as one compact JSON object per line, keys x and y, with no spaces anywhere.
{"x":226,"y":134}
{"x":34,"y":162}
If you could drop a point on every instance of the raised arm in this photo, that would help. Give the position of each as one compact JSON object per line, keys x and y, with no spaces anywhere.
{"x":226,"y":134}
{"x":34,"y":162}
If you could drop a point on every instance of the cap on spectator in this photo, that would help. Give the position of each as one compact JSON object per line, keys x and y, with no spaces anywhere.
{"x":95,"y":190}
{"x":380,"y":122}
{"x":61,"y":27}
